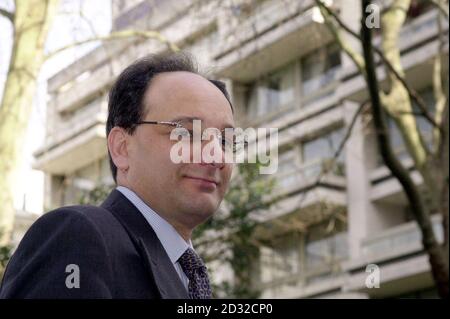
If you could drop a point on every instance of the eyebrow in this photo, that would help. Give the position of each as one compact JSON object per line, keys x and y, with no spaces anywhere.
{"x":192,"y":118}
{"x":185,"y":118}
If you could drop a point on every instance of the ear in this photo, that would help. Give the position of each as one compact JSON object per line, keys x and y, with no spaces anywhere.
{"x":118,"y":148}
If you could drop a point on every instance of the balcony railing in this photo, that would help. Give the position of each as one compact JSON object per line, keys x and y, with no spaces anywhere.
{"x":321,"y":82}
{"x":295,"y":270}
{"x":84,"y":118}
{"x":399,"y":240}
{"x":94,"y":82}
{"x":263,"y":18}
{"x":308,"y":173}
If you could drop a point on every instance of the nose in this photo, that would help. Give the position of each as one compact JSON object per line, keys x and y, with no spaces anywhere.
{"x":209,"y":145}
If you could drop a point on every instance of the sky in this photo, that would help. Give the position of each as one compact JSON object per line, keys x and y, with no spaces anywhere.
{"x":68,"y":26}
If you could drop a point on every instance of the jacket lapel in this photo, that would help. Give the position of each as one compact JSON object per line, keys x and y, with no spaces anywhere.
{"x":148,"y":246}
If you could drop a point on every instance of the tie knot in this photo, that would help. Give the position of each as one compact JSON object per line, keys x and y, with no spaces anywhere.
{"x":191,"y":262}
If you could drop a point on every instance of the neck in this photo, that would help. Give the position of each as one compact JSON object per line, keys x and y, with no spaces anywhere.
{"x":184,"y":231}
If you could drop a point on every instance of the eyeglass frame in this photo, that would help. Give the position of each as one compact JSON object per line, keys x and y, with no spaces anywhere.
{"x":178,"y":125}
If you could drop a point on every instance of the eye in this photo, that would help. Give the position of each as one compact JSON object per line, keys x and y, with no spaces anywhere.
{"x":228,"y":144}
{"x":181,"y":131}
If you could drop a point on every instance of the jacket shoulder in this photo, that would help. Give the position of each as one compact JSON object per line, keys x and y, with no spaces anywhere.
{"x":64,"y":237}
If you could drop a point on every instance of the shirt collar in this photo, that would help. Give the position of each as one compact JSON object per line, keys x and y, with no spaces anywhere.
{"x":173,"y":243}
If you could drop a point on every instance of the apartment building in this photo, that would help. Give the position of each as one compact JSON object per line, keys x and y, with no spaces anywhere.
{"x":283,"y":70}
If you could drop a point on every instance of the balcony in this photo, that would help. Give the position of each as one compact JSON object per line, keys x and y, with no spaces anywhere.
{"x":418,"y":44}
{"x":89,"y":84}
{"x":400,"y":240}
{"x":308,"y":174}
{"x":417,"y":31}
{"x":321,"y":87}
{"x":277,"y":29}
{"x":398,"y":252}
{"x":387,"y":189}
{"x":75,"y":142}
{"x":301,"y":269}
{"x":303,"y":200}
{"x":85,"y":117}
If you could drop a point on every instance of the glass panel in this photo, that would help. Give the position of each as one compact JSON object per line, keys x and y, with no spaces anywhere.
{"x":252,"y":100}
{"x":417,"y":8}
{"x":326,"y":251}
{"x":397,"y":140}
{"x":280,"y":260}
{"x":132,"y":15}
{"x":319,"y":68}
{"x":273,"y":93}
{"x":326,"y":245}
{"x":201,"y":47}
{"x":286,"y":169}
{"x":322,"y":150}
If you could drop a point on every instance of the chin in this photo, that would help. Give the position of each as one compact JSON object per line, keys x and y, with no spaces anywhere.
{"x":203,"y":208}
{"x":206,"y":208}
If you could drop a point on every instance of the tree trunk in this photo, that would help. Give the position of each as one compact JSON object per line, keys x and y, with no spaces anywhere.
{"x":32,"y":20}
{"x":438,"y":262}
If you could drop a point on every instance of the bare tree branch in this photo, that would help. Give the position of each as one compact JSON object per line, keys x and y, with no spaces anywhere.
{"x":443,"y":8}
{"x":438,"y":89}
{"x":7,"y":14}
{"x":88,"y":21}
{"x":355,"y":56}
{"x":411,"y":92}
{"x":119,"y":35}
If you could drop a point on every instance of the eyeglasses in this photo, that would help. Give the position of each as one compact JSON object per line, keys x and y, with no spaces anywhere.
{"x":230,"y":139}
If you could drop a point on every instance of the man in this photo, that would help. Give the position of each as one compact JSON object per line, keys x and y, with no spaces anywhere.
{"x":137,"y":244}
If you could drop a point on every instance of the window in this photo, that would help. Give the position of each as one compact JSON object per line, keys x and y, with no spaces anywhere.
{"x":287,"y":169}
{"x":134,"y":14}
{"x":201,"y":46}
{"x":417,"y":8}
{"x":281,"y":259}
{"x":319,"y":68}
{"x":326,"y":246}
{"x":312,"y":255}
{"x":319,"y":152}
{"x":272,"y":93}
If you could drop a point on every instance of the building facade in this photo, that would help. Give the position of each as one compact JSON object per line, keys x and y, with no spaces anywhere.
{"x":284,"y":70}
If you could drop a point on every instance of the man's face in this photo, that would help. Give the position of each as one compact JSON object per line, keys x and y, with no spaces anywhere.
{"x":185,"y":193}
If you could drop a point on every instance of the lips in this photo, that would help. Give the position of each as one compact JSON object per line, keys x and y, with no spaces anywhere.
{"x":207,"y":180}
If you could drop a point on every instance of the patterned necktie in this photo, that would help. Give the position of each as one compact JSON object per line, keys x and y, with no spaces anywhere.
{"x":195,"y":270}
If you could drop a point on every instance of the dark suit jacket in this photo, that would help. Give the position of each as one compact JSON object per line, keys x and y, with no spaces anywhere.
{"x":117,"y":252}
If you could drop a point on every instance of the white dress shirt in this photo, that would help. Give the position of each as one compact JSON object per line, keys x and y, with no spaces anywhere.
{"x":173,"y":243}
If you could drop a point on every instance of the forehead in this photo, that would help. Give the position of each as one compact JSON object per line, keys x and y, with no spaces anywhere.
{"x":174,"y":94}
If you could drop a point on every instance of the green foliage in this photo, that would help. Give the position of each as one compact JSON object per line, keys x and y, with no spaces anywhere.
{"x":5,"y":255}
{"x":96,"y":196}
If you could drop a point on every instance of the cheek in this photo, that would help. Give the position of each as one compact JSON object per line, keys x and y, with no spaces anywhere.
{"x":149,"y":158}
{"x":162,"y":162}
{"x":226,"y":175}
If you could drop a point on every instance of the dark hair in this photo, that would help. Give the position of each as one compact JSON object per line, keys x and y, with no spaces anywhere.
{"x":125,"y":106}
